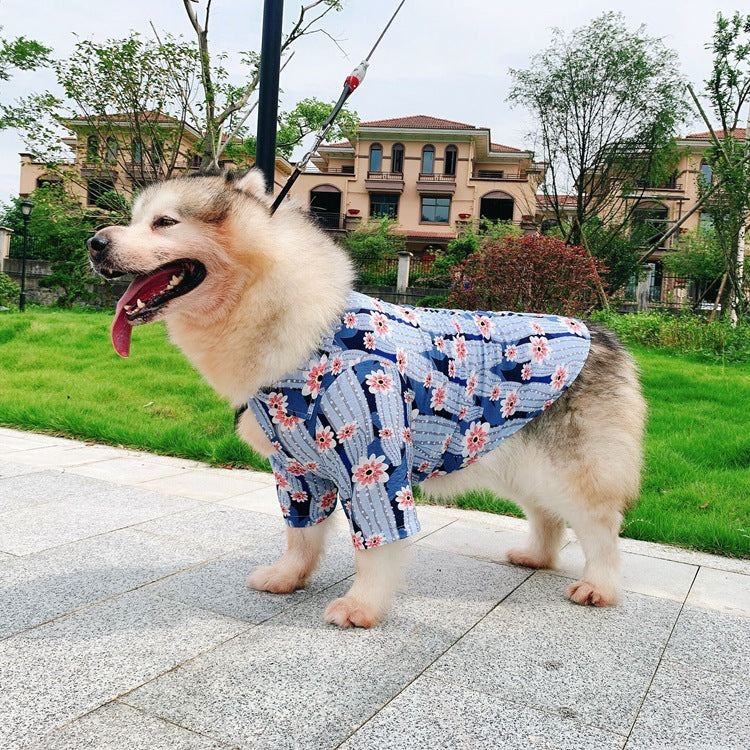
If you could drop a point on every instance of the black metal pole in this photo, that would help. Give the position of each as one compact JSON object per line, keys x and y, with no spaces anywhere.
{"x":22,"y":299}
{"x":268,"y":96}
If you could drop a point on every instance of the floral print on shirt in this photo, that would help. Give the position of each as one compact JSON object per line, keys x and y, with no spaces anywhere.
{"x":396,"y":395}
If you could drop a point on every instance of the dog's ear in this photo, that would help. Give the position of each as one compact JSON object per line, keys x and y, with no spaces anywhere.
{"x":253,"y":183}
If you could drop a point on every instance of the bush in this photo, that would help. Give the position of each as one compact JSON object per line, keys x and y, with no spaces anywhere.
{"x":9,"y":291}
{"x":686,"y":333}
{"x":532,"y":273}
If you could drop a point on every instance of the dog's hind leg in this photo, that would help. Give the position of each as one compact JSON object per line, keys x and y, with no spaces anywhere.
{"x":305,"y":546}
{"x":545,"y":536}
{"x":379,"y":573}
{"x":598,"y":535}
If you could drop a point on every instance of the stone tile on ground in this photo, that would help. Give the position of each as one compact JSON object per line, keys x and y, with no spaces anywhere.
{"x":60,"y":671}
{"x":39,"y":587}
{"x":484,"y":543}
{"x":100,"y":508}
{"x":127,"y":470}
{"x":721,"y":591}
{"x":62,"y":456}
{"x":641,"y":575}
{"x":688,"y":556}
{"x":541,"y":650}
{"x":120,"y":727}
{"x":707,"y":639}
{"x":217,"y":527}
{"x":434,"y":714}
{"x":693,"y":709}
{"x":9,"y":469}
{"x":308,"y":685}
{"x":208,"y":484}
{"x":16,"y":440}
{"x":36,"y":487}
{"x":220,"y":585}
{"x":262,"y":500}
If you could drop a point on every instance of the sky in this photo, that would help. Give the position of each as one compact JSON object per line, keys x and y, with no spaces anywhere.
{"x":442,"y":58}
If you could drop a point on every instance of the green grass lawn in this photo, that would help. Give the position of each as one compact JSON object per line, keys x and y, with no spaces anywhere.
{"x":60,"y":375}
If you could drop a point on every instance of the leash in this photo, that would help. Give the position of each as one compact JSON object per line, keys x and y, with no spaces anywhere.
{"x":351,"y":82}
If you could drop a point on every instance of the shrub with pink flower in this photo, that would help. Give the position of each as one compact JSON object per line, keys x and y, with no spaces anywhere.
{"x":370,"y":470}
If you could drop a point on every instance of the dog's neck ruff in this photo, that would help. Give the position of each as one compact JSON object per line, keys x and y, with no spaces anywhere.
{"x":400,"y":394}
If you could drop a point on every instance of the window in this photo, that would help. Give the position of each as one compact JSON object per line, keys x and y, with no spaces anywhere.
{"x":157,"y":153}
{"x":707,"y":174}
{"x":92,"y":148}
{"x":397,"y":159}
{"x":451,"y":157}
{"x":376,"y":158}
{"x":436,"y":209}
{"x":428,"y":159}
{"x":136,"y":151}
{"x":96,"y":189}
{"x":383,"y":204}
{"x":111,"y":156}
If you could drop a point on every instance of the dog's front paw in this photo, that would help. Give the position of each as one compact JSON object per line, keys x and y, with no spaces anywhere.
{"x":525,"y":557}
{"x":585,"y":593}
{"x":275,"y":578}
{"x":348,"y":612}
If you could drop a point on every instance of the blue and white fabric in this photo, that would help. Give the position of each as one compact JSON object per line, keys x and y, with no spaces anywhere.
{"x":399,"y":394}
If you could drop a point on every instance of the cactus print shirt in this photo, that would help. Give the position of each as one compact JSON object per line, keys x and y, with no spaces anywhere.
{"x":396,"y":395}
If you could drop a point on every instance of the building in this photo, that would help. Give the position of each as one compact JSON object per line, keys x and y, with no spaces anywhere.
{"x":429,"y":174}
{"x":124,"y":152}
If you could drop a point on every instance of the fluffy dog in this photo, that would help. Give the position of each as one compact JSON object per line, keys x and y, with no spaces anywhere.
{"x":356,"y":399}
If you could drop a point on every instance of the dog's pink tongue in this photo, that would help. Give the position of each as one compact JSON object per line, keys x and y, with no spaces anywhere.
{"x":140,"y":288}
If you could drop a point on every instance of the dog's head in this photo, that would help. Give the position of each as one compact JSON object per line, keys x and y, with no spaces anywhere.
{"x":181,"y":247}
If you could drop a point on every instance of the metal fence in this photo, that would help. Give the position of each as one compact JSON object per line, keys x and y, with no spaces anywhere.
{"x":384,"y":271}
{"x":662,"y":292}
{"x":44,"y":249}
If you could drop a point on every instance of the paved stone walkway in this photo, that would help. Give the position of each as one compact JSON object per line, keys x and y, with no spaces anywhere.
{"x":125,"y":623}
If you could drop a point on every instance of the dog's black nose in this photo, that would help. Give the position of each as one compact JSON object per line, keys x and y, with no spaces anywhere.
{"x":97,"y":245}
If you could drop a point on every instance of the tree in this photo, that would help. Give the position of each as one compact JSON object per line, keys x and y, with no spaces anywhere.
{"x":20,"y":54}
{"x":156,"y":91}
{"x":532,"y":273}
{"x":607,"y":102}
{"x":726,"y":197}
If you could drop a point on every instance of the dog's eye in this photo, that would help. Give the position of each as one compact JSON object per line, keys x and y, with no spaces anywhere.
{"x":164,"y":221}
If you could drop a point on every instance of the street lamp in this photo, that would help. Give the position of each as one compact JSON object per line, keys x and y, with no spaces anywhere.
{"x":26,"y":208}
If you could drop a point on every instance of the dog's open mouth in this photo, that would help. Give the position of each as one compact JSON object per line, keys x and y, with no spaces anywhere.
{"x":148,"y":294}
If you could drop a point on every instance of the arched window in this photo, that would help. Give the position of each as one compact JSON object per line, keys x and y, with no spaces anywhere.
{"x":428,"y":159}
{"x":376,"y":158}
{"x":136,"y":151}
{"x":707,"y":173}
{"x":111,"y":156}
{"x":397,"y":159}
{"x":496,"y":206}
{"x":451,"y":158}
{"x":92,"y":148}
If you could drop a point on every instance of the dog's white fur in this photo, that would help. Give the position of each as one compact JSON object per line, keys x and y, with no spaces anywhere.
{"x":274,"y":285}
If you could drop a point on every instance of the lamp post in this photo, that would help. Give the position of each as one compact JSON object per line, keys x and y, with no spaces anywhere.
{"x":26,"y":209}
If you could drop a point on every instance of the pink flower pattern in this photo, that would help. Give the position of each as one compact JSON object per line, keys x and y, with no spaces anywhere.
{"x":395,"y":360}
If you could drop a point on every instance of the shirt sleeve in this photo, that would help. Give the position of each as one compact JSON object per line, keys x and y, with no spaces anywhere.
{"x":305,"y":498}
{"x":366,"y":411}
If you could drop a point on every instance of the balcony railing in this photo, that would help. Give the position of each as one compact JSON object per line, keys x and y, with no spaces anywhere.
{"x":397,"y":176}
{"x":349,"y":169}
{"x":435,"y":177}
{"x":326,"y":220}
{"x":497,"y":174}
